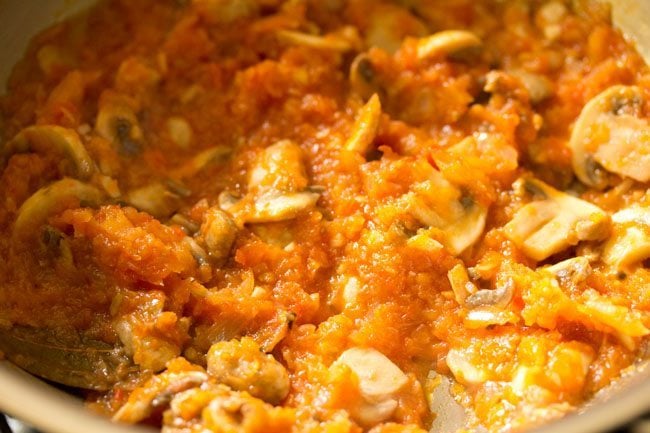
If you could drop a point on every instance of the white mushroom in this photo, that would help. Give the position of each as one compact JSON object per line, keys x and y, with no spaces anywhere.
{"x":499,"y":297}
{"x":180,"y":131}
{"x":538,"y":86}
{"x":365,"y":127}
{"x":389,"y":24}
{"x":277,"y":187}
{"x":553,"y":221}
{"x":379,"y":382}
{"x":450,"y":415}
{"x":445,"y":43}
{"x":51,"y":138}
{"x":571,"y":272}
{"x":244,"y":367}
{"x":118,"y":123}
{"x":327,"y":42}
{"x":157,"y":392}
{"x":463,"y":369}
{"x":278,"y":168}
{"x":460,"y":283}
{"x":217,"y":233}
{"x":612,"y":133}
{"x":363,"y":77}
{"x":156,"y":199}
{"x":630,"y":241}
{"x":282,"y":207}
{"x":458,"y":216}
{"x":51,"y":200}
{"x":379,"y":377}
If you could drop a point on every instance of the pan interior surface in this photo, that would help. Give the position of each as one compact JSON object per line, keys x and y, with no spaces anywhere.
{"x":56,"y":412}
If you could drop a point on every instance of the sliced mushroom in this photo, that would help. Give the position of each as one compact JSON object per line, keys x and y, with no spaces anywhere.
{"x":554,"y":221}
{"x":180,"y":131}
{"x":199,"y":254}
{"x":460,"y":218}
{"x":363,"y":77}
{"x":389,"y":24}
{"x":50,"y":138}
{"x":282,"y":207}
{"x":460,"y":283}
{"x":468,"y":228}
{"x":243,"y":367}
{"x":630,"y":242}
{"x":118,"y":122}
{"x":379,"y":382}
{"x":463,"y":369}
{"x":157,"y":392}
{"x":365,"y":127}
{"x":157,"y":199}
{"x":277,"y":187}
{"x":445,"y":43}
{"x":279,"y":168}
{"x":611,"y":133}
{"x":499,"y":297}
{"x":538,"y":86}
{"x":571,"y":272}
{"x":51,"y":200}
{"x":327,"y":42}
{"x":55,"y":244}
{"x":450,"y":415}
{"x":217,"y":233}
{"x":228,"y":200}
{"x":379,"y":377}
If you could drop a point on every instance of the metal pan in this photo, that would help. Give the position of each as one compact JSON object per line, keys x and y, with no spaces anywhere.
{"x":54,"y":411}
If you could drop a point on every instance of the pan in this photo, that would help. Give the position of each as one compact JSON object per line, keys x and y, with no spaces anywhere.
{"x":55,"y":411}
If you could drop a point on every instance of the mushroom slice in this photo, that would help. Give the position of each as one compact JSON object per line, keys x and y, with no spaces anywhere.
{"x":379,"y":377}
{"x":499,"y":297}
{"x":47,"y":138}
{"x":466,"y":230}
{"x":379,"y":382}
{"x":538,"y":86}
{"x":157,"y":199}
{"x":450,"y":415}
{"x":463,"y":369}
{"x":118,"y":122}
{"x":328,"y":42}
{"x":570,"y":272}
{"x":630,"y":242}
{"x":612,"y":132}
{"x":445,"y":43}
{"x":158,"y":392}
{"x":53,"y":199}
{"x":459,"y":216}
{"x":363,"y":77}
{"x":389,"y":24}
{"x":365,"y":127}
{"x":274,"y":208}
{"x":242,"y":366}
{"x":554,"y":221}
{"x":460,"y":283}
{"x":278,"y":168}
{"x":218,"y":233}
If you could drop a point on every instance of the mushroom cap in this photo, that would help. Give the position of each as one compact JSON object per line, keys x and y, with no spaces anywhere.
{"x":611,"y":134}
{"x":48,"y":138}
